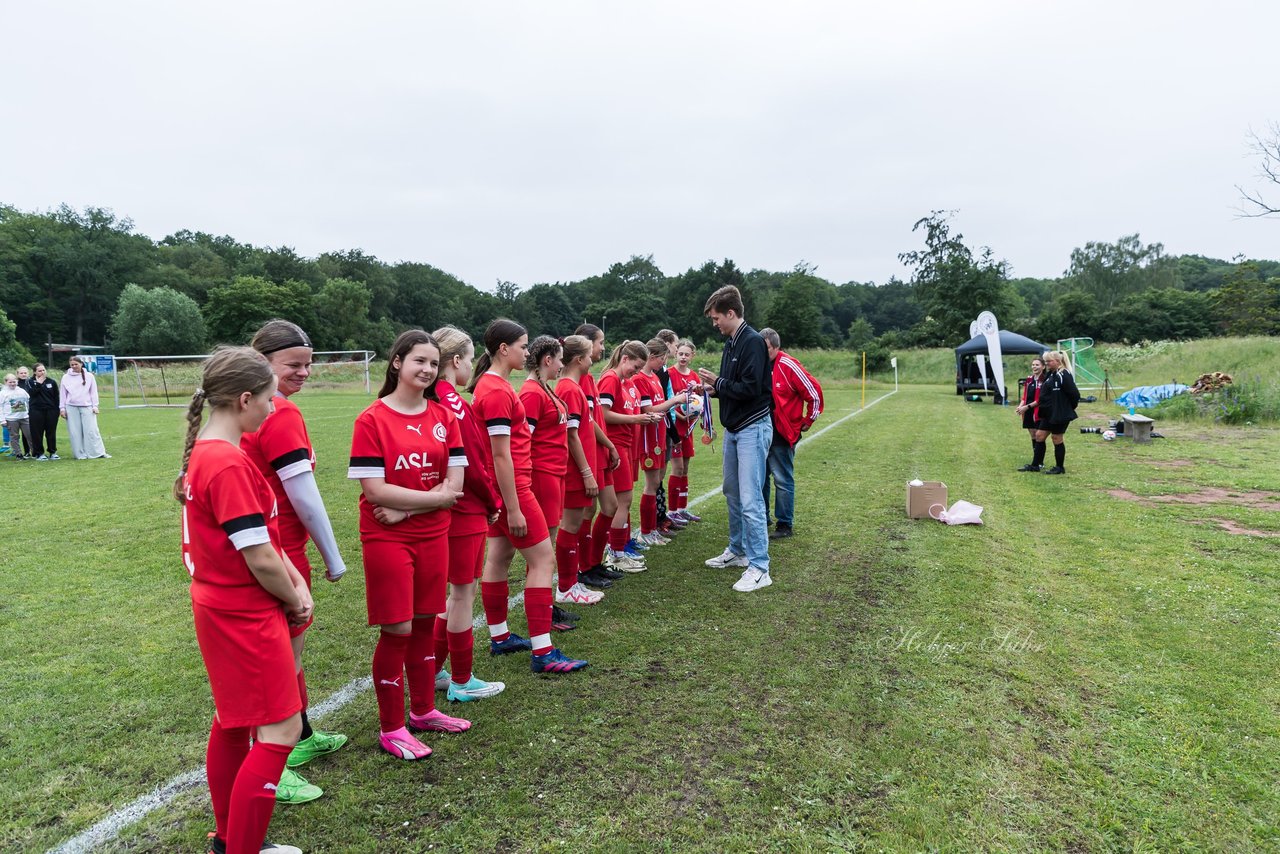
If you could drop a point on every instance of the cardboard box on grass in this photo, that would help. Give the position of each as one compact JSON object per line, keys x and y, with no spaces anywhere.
{"x":921,"y":498}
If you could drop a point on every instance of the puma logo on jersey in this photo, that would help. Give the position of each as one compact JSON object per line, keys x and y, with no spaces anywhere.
{"x":394,"y":683}
{"x":412,"y":461}
{"x":417,"y":429}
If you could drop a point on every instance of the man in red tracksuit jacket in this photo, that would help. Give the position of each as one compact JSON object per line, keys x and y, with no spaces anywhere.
{"x":797,"y":403}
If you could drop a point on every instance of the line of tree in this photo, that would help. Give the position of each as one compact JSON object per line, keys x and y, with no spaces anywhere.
{"x":87,"y":277}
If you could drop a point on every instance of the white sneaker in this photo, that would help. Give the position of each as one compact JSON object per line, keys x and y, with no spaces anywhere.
{"x":578,"y":594}
{"x":54,"y":457}
{"x":752,"y":579}
{"x":727,"y":559}
{"x":623,"y":562}
{"x":657,"y":538}
{"x":443,"y":678}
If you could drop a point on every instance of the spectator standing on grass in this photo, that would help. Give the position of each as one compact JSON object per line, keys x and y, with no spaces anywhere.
{"x":281,"y":449}
{"x":746,"y":405}
{"x":24,"y":383}
{"x":797,"y":403}
{"x":1029,"y":409}
{"x":245,"y":594}
{"x":14,"y":406}
{"x":78,"y":403}
{"x":1059,"y":398}
{"x":44,"y":415}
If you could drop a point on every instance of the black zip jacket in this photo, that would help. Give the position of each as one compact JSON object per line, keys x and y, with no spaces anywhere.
{"x":1059,"y":398}
{"x":745,"y":382}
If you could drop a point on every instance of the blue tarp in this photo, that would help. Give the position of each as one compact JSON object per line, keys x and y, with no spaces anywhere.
{"x":1147,"y":396}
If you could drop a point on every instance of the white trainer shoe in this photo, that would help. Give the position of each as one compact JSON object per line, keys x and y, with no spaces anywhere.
{"x":727,"y":559}
{"x":578,"y":594}
{"x":752,"y":579}
{"x":623,"y":562}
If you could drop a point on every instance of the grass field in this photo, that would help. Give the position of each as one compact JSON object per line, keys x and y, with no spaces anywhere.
{"x":1093,"y":669}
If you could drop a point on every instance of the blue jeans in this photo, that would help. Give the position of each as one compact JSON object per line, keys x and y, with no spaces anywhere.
{"x":745,"y":460}
{"x":782,"y":471}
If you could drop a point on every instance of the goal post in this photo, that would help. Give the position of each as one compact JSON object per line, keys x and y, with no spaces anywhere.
{"x":159,"y":381}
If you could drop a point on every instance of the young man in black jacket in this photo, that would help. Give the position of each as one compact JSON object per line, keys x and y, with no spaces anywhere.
{"x":746,"y":406}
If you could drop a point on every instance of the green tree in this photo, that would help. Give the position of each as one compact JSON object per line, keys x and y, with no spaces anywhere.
{"x":12,"y":351}
{"x":157,"y":322}
{"x":951,"y":284}
{"x":1112,"y":271}
{"x":795,"y":314}
{"x":236,"y":310}
{"x":1159,"y":314}
{"x":342,"y":316}
{"x":686,"y":296}
{"x":1247,"y":304}
{"x":1073,"y":314}
{"x":545,"y":310}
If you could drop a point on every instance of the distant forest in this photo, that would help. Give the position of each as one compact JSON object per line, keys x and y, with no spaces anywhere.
{"x":87,"y":277}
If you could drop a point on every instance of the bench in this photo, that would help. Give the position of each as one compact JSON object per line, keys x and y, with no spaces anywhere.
{"x":1138,"y":427}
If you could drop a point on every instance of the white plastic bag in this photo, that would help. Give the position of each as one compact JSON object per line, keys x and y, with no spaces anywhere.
{"x":961,"y":513}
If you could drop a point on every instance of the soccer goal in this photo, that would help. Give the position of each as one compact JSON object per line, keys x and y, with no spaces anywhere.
{"x":139,"y":381}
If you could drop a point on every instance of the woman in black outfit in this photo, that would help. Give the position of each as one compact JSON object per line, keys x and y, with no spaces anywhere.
{"x":1029,"y":409}
{"x":1059,"y":398}
{"x":44,"y":415}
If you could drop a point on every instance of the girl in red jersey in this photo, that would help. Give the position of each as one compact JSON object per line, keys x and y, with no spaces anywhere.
{"x":559,"y":457}
{"x":469,"y":521}
{"x":653,"y":439}
{"x":683,"y":379}
{"x":520,"y":524}
{"x":593,"y":537}
{"x":620,"y":408}
{"x":244,"y":596}
{"x":406,"y":451}
{"x":281,"y":449}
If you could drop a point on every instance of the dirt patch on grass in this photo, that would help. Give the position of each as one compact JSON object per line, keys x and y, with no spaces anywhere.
{"x":1209,"y":495}
{"x":1236,"y":528}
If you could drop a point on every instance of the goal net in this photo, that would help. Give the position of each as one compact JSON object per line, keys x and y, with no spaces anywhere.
{"x":139,"y":381}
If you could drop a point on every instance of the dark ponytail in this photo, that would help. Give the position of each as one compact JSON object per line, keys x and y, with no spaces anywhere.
{"x":498,"y":332}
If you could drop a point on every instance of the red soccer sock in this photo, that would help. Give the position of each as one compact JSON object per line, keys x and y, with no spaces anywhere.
{"x":585,"y":546}
{"x":461,"y":646}
{"x":648,"y":513}
{"x":680,"y":489}
{"x":493,"y":594}
{"x":566,"y":559}
{"x":223,"y":758}
{"x":618,"y":538}
{"x":599,"y":538}
{"x":420,"y":666}
{"x":254,"y":797}
{"x":441,"y":634}
{"x":388,"y":679}
{"x":537,"y":610}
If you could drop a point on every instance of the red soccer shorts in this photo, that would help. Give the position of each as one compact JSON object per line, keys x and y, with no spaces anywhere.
{"x":250,"y":665}
{"x":402,"y":579}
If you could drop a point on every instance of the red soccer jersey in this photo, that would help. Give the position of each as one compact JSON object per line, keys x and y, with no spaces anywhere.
{"x":797,"y":397}
{"x":652,"y":436}
{"x":282,"y":449}
{"x":575,"y":401}
{"x":681,"y":382}
{"x":479,"y":492}
{"x":502,"y":413}
{"x":229,"y":507}
{"x":410,"y":451}
{"x":622,"y":398}
{"x":548,"y":422}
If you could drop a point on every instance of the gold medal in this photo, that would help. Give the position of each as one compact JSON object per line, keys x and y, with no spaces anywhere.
{"x":657,"y":450}
{"x":648,"y":463}
{"x":706,"y":440}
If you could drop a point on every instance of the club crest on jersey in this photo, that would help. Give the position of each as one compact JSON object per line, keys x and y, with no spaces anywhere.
{"x":439,"y":432}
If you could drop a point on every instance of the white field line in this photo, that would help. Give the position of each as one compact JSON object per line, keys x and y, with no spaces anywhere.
{"x":108,"y":828}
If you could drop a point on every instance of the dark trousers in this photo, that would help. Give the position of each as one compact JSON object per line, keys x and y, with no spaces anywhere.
{"x":44,"y":430}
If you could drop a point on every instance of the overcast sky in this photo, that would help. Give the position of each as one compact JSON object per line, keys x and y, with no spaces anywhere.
{"x":542,"y":141}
